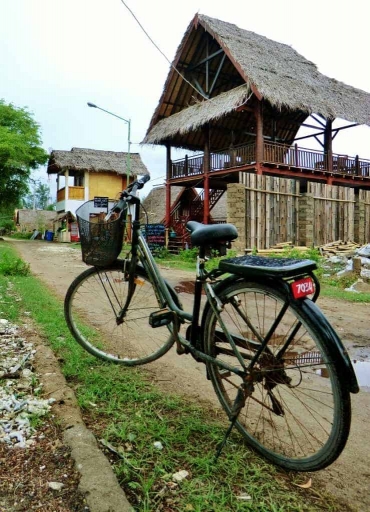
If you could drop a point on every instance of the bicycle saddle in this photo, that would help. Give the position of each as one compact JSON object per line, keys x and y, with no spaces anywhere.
{"x":205,"y":234}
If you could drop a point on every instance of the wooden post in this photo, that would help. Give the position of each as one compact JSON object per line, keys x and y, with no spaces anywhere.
{"x":168,"y":186}
{"x":259,"y":132}
{"x":206,"y":163}
{"x":328,"y":145}
{"x":296,"y":157}
{"x":357,"y":165}
{"x":357,"y":265}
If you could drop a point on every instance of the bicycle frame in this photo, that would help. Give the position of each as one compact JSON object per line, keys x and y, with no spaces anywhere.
{"x":141,"y":252}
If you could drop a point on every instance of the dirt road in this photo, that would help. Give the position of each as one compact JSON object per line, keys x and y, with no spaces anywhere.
{"x":349,"y":477}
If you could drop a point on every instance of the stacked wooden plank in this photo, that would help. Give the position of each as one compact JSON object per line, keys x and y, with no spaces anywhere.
{"x":281,"y":248}
{"x":333,"y":248}
{"x":339,"y":247}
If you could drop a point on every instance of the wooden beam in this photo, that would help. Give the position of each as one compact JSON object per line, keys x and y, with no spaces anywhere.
{"x":168,"y":186}
{"x":207,"y":166}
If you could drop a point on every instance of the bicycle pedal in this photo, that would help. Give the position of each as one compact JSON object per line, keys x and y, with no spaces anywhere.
{"x":161,"y":318}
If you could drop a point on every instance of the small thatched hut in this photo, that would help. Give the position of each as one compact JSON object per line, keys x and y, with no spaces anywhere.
{"x":83,"y":174}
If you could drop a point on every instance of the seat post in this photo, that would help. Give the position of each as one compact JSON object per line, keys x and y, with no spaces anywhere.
{"x":202,"y":252}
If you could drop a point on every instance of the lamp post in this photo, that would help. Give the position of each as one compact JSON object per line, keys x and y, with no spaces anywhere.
{"x":128,"y":121}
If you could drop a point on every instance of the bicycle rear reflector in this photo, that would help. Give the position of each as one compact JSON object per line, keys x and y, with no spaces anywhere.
{"x":302,"y":287}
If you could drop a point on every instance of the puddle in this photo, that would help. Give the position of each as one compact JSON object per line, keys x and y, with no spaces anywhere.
{"x":362,"y":370}
{"x":186,"y":287}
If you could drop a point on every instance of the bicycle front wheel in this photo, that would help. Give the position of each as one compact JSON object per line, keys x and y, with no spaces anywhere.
{"x":297,"y":410}
{"x":92,"y":305}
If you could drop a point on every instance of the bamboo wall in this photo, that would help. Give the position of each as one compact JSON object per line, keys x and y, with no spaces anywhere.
{"x":333,"y":213}
{"x":269,"y":210}
{"x":364,"y":202}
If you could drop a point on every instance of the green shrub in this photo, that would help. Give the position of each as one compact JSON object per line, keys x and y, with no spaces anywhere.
{"x":13,"y":266}
{"x":18,"y":235}
{"x":343,"y":281}
{"x":189,"y":254}
{"x":162,"y":253}
{"x":6,"y":227}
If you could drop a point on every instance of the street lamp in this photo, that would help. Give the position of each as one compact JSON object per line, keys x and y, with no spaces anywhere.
{"x":128,"y":121}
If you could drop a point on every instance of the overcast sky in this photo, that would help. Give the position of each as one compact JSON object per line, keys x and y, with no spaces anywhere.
{"x":56,"y":55}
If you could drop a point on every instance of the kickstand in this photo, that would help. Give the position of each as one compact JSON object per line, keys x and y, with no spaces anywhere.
{"x":235,"y":410}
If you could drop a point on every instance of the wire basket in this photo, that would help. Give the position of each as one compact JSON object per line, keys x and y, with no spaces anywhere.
{"x":101,"y":241}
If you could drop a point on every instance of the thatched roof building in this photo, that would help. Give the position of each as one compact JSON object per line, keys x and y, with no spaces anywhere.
{"x":244,"y":68}
{"x":155,"y":202}
{"x":93,"y":160}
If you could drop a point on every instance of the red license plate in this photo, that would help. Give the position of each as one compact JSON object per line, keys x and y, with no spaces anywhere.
{"x":302,"y":287}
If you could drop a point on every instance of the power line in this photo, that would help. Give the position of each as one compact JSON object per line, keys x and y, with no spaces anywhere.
{"x":160,"y":51}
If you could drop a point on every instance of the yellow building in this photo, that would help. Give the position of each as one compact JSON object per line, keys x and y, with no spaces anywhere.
{"x":84,"y":174}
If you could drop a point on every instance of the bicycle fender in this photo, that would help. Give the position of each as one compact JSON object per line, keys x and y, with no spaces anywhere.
{"x":331,"y":337}
{"x":218,"y":287}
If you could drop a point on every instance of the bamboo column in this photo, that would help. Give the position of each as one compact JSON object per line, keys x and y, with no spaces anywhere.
{"x":206,"y":170}
{"x":328,"y":144}
{"x":168,"y":186}
{"x":259,"y":135}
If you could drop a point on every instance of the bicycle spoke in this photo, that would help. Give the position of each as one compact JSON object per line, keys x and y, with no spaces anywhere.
{"x":291,"y":411}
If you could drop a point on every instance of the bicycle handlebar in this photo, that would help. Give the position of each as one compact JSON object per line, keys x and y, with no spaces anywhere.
{"x":138,"y":184}
{"x":125,"y":195}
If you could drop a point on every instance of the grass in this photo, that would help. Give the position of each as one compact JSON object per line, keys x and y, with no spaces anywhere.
{"x":123,"y":407}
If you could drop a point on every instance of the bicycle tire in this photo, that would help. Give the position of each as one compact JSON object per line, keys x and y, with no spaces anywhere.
{"x":91,"y":304}
{"x":302,"y":425}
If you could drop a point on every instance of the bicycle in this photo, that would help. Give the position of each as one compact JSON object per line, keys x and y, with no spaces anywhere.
{"x":278,"y":368}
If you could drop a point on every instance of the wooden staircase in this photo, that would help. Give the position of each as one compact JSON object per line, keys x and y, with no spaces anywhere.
{"x":196,"y":207}
{"x":176,"y":244}
{"x":178,"y":222}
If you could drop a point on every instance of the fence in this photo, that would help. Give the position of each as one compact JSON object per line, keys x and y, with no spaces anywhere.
{"x":269,"y":210}
{"x":333,"y":212}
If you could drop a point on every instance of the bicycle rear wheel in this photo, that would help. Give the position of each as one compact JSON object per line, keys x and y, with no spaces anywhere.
{"x":297,"y":410}
{"x":92,"y":304}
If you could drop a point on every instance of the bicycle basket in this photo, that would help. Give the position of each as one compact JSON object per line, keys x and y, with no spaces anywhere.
{"x":101,"y":241}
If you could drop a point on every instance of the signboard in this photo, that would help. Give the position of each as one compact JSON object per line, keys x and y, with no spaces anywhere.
{"x":155,"y":236}
{"x":101,"y":202}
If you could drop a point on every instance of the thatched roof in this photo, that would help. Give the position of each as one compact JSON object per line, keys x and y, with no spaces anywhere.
{"x":155,"y":202}
{"x":92,"y":160}
{"x":193,"y":117}
{"x":271,"y":71}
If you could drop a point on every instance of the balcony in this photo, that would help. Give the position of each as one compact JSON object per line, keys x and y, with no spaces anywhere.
{"x":278,"y":159}
{"x":74,"y":193}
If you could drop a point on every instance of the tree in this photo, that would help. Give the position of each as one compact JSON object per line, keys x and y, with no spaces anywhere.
{"x":38,"y":197}
{"x":20,"y":152}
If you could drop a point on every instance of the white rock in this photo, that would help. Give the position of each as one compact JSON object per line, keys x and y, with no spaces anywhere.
{"x":180,"y":475}
{"x":56,"y":486}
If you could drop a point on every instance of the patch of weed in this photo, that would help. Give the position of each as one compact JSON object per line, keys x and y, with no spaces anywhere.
{"x":11,"y":265}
